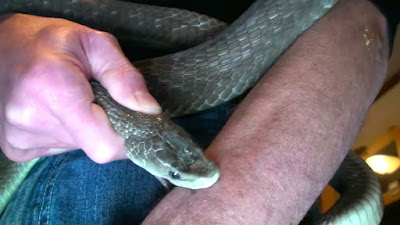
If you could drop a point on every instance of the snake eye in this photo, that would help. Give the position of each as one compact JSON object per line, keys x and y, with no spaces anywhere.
{"x":174,"y":175}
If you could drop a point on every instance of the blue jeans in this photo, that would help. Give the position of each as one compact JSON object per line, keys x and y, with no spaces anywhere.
{"x":71,"y":189}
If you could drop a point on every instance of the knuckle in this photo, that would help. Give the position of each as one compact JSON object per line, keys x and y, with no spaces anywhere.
{"x":42,"y":73}
{"x":17,"y":114}
{"x":126,"y":69}
{"x":50,"y":35}
{"x":122,"y":72}
{"x":105,"y":36}
{"x":10,"y":113}
{"x":101,"y":155}
{"x":50,"y":80}
{"x":12,"y":138}
{"x":100,"y":160}
{"x":58,"y":32}
{"x":40,"y":83}
{"x":15,"y":155}
{"x":103,"y":158}
{"x":49,"y":31}
{"x":9,"y":153}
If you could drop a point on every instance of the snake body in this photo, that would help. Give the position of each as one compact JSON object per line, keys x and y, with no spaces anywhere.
{"x":221,"y":66}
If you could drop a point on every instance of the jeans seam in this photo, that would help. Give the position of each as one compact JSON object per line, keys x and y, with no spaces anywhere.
{"x":50,"y":187}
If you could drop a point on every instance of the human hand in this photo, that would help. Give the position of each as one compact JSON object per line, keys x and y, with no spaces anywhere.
{"x":46,"y":102}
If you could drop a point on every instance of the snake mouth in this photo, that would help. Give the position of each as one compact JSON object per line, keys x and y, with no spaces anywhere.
{"x":197,"y":183}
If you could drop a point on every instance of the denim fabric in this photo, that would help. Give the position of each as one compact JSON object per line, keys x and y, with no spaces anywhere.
{"x":71,"y":189}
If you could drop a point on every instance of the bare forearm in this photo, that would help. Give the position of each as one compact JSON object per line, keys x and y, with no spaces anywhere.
{"x":289,"y":135}
{"x":292,"y":131}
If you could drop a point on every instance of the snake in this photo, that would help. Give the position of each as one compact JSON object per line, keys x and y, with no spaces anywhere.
{"x":214,"y":64}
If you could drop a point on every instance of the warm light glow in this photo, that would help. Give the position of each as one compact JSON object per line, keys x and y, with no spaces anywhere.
{"x":383,"y":164}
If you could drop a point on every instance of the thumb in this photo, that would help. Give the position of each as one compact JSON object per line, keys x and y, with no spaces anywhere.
{"x":113,"y":70}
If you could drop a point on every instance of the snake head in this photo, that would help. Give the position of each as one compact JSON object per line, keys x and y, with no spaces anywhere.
{"x":168,"y":152}
{"x":158,"y":145}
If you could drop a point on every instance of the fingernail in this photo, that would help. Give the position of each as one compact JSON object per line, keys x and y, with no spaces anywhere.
{"x":146,"y":102}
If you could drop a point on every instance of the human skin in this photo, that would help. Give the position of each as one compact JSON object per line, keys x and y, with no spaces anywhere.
{"x":276,"y":153}
{"x":289,"y":135}
{"x":46,"y":102}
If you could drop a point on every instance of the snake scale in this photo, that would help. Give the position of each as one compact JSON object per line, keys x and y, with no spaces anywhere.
{"x":224,"y":63}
